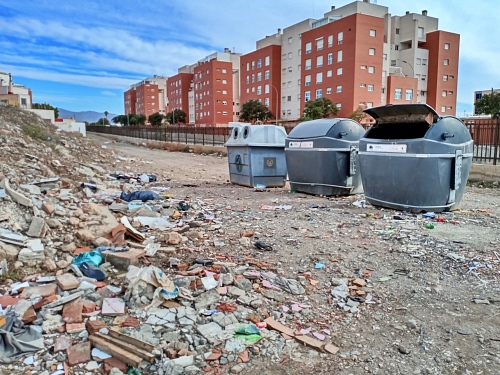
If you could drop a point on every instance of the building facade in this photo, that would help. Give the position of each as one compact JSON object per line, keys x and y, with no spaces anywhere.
{"x":14,"y":94}
{"x":147,"y":97}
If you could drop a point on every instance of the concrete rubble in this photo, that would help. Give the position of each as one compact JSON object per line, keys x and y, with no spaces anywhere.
{"x":184,"y":291}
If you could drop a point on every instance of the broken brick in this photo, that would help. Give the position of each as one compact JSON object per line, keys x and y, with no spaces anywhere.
{"x":88,"y":307}
{"x":94,"y":326}
{"x":62,"y":343}
{"x":243,"y":357}
{"x":80,"y":250}
{"x":110,"y":363}
{"x":39,"y":291}
{"x":29,"y":316}
{"x":79,"y":353}
{"x":75,"y":327}
{"x":6,"y":301}
{"x":48,"y":207}
{"x":359,"y":282}
{"x":72,"y":311}
{"x":67,"y":281}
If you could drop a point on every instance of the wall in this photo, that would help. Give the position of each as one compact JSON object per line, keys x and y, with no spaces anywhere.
{"x":72,"y":127}
{"x":46,"y":114}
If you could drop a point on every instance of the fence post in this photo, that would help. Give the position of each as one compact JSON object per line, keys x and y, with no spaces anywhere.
{"x":495,"y":157}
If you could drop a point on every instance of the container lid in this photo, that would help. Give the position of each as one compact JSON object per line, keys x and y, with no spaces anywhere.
{"x":313,"y":128}
{"x":403,"y":113}
{"x":257,"y":135}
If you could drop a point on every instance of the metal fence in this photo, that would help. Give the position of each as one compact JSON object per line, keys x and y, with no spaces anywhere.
{"x":484,"y":132}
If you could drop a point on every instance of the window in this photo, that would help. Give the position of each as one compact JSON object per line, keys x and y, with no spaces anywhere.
{"x":329,"y":73}
{"x":373,"y":33}
{"x":266,"y":102}
{"x":319,"y":77}
{"x":363,"y":66}
{"x":424,"y":77}
{"x":289,"y":98}
{"x":450,"y":92}
{"x":253,"y":78}
{"x":319,"y":44}
{"x":419,"y":61}
{"x":330,"y":58}
{"x":308,"y":47}
{"x":298,"y":82}
{"x":289,"y":55}
{"x":451,"y":77}
{"x":447,"y":46}
{"x":445,"y":78}
{"x":284,"y":56}
{"x":267,"y":74}
{"x":259,"y":63}
{"x":319,"y":61}
{"x":308,"y":80}
{"x":339,"y":71}
{"x":307,"y":96}
{"x":224,"y":81}
{"x":446,"y":62}
{"x":328,"y":90}
{"x":409,"y":94}
{"x":289,"y":69}
{"x":369,"y":105}
{"x":443,"y":109}
{"x":298,"y":67}
{"x":339,"y":106}
{"x":384,"y":74}
{"x":396,"y":47}
{"x":393,"y":62}
{"x":259,"y":77}
{"x":330,"y":40}
{"x":308,"y":64}
{"x":267,"y":60}
{"x":339,"y":88}
{"x":398,"y":94}
{"x":259,"y":90}
{"x":397,"y":31}
{"x":424,"y":61}
{"x":370,"y":88}
{"x":339,"y":56}
{"x":289,"y":84}
{"x":298,"y":96}
{"x":340,"y":37}
{"x":362,"y":85}
{"x":371,"y":51}
{"x":420,"y":32}
{"x":319,"y":94}
{"x":371,"y":69}
{"x":253,"y":65}
{"x":385,"y":56}
{"x":290,"y":40}
{"x":248,"y":67}
{"x":444,"y":93}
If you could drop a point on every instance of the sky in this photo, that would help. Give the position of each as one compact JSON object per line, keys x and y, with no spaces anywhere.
{"x":82,"y":55}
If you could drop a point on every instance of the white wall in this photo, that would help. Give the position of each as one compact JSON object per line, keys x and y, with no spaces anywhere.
{"x":46,"y":114}
{"x":72,"y":127}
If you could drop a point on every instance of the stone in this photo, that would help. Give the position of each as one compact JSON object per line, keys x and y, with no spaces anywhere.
{"x":101,"y":241}
{"x":403,"y":349}
{"x":79,"y":353}
{"x":29,"y":316}
{"x":51,"y":323}
{"x":92,"y":365}
{"x":123,"y":259}
{"x":235,"y":291}
{"x":72,"y":311}
{"x":206,"y":299}
{"x":85,"y":235}
{"x":39,"y":291}
{"x":244,"y":284}
{"x":50,"y":265}
{"x":113,"y":307}
{"x":73,"y":221}
{"x":243,"y":357}
{"x":30,"y":257}
{"x":62,"y":343}
{"x":38,"y":227}
{"x":112,"y":362}
{"x":359,"y":282}
{"x":48,"y":207}
{"x":88,"y":307}
{"x":173,"y":238}
{"x":75,"y":327}
{"x":67,"y":281}
{"x":94,"y":326}
{"x":184,"y":361}
{"x":210,"y":331}
{"x":53,"y":223}
{"x":237,"y":369}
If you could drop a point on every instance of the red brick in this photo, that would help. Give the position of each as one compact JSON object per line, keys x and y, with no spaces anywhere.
{"x":67,"y":282}
{"x":39,"y":291}
{"x":75,"y":327}
{"x":29,"y":316}
{"x":8,"y":301}
{"x":79,"y":353}
{"x":62,"y":343}
{"x":79,"y":250}
{"x":243,"y":357}
{"x":94,"y":326}
{"x":88,"y":307}
{"x":213,"y":357}
{"x":110,"y":363}
{"x":44,"y":301}
{"x":48,"y":207}
{"x":72,"y":311}
{"x":99,"y":284}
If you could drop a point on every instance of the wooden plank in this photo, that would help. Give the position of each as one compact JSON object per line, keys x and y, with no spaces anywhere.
{"x":148,"y":356}
{"x":141,"y":344}
{"x":123,"y":355}
{"x":277,"y":326}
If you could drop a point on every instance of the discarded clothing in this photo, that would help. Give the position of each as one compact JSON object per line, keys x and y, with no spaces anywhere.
{"x":143,"y":196}
{"x":17,"y":340}
{"x":91,"y":257}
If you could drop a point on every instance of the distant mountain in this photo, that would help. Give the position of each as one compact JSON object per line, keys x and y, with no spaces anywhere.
{"x":90,"y":116}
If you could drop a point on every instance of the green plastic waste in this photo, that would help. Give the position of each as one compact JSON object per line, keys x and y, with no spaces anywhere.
{"x":429,"y":226}
{"x":249,"y":334}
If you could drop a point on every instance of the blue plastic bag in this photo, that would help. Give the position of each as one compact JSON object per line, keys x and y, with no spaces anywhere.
{"x":140,"y":196}
{"x":91,"y":257}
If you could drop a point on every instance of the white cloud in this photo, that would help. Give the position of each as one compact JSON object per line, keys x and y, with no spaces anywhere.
{"x":107,"y":93}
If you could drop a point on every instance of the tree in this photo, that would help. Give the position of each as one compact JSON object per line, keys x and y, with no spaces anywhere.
{"x":106,"y":113}
{"x":320,"y":108}
{"x":120,"y":119}
{"x":489,"y":105}
{"x":46,"y":106}
{"x":156,"y":119}
{"x":102,"y":121}
{"x":178,"y":116}
{"x":137,"y":120}
{"x":358,"y":115}
{"x":253,"y":110}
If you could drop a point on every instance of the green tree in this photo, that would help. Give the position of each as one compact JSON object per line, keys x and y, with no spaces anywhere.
{"x":178,"y":116}
{"x":358,"y":115}
{"x":137,"y":120}
{"x":102,"y":121}
{"x":489,"y":105}
{"x":120,"y":119}
{"x":46,"y":106}
{"x":156,"y":119}
{"x":253,"y":110}
{"x":320,"y":108}
{"x":106,"y":113}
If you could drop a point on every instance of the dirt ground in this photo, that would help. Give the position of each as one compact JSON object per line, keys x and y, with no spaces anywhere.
{"x":433,"y":312}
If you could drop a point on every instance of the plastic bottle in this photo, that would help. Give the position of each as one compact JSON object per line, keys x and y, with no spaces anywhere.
{"x":429,"y":226}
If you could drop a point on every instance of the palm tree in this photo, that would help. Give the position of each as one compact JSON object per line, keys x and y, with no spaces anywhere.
{"x":106,"y":113}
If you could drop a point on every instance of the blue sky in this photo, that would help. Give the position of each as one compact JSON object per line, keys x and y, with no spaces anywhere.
{"x":82,"y":55}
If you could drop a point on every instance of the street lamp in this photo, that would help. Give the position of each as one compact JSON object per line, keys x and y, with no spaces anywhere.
{"x":413,"y":80}
{"x":277,"y":98}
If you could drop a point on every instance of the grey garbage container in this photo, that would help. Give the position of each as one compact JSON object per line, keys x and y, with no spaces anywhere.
{"x":321,"y":157}
{"x":414,"y":160}
{"x":256,"y":155}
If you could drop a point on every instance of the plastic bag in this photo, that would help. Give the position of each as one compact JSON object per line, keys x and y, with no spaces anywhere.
{"x":91,"y":257}
{"x":143,"y":196}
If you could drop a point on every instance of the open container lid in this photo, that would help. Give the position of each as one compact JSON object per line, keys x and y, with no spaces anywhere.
{"x":403,"y":113}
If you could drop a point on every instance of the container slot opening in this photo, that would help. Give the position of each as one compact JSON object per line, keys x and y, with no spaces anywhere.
{"x":398,"y":131}
{"x":235,"y":133}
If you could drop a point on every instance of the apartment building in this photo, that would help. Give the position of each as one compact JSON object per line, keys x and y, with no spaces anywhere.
{"x":216,"y":96}
{"x":179,"y":87}
{"x":147,"y":96}
{"x":14,"y":94}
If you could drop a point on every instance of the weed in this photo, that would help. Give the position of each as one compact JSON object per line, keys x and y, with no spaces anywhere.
{"x":34,"y":132}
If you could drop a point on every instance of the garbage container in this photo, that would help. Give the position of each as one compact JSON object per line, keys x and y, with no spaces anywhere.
{"x":256,"y":155}
{"x":414,"y":160}
{"x":321,"y":157}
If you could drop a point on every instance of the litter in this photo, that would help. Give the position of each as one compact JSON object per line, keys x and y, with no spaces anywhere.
{"x":143,"y":196}
{"x":319,"y":265}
